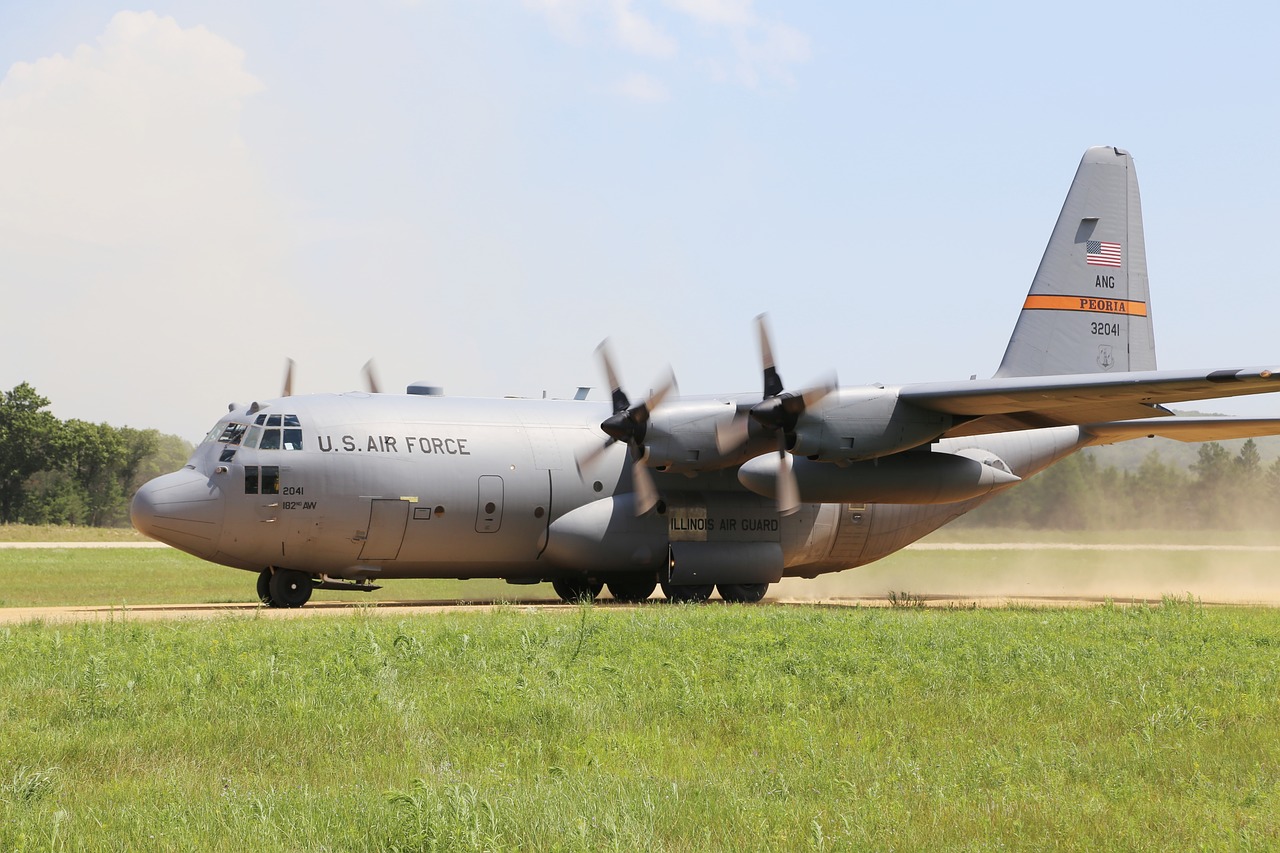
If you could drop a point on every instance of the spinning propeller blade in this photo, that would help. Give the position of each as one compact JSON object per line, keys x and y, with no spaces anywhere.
{"x":778,"y":412}
{"x":371,"y":378}
{"x":628,"y":425}
{"x":288,"y":378}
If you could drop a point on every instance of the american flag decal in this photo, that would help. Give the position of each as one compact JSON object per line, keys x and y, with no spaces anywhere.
{"x":1100,"y":253}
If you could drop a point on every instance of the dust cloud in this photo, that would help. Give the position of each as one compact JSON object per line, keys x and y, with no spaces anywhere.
{"x":1211,"y":574}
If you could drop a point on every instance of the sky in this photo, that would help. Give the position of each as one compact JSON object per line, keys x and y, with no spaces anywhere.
{"x":475,"y":194}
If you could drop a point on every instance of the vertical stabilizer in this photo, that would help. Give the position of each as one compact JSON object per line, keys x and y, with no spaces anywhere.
{"x":1088,"y":310}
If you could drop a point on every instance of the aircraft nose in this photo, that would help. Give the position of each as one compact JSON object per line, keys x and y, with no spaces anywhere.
{"x":182,"y":509}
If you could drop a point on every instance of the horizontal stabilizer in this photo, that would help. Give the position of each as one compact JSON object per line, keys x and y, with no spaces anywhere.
{"x":1184,"y":429}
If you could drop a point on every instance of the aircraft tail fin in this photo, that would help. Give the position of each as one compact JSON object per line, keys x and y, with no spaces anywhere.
{"x":1088,"y":310}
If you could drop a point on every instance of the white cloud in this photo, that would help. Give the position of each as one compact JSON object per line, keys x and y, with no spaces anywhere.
{"x":114,"y":144}
{"x":134,"y":225}
{"x":759,"y":48}
{"x":728,"y":13}
{"x":642,"y":87}
{"x":638,"y":34}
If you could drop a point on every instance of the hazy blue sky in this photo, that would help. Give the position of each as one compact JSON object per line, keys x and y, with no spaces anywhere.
{"x":476,"y":193}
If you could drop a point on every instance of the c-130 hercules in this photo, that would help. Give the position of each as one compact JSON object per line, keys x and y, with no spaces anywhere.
{"x":733,"y":492}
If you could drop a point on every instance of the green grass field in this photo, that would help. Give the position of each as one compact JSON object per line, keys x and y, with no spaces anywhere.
{"x":128,"y":577}
{"x":665,"y":728}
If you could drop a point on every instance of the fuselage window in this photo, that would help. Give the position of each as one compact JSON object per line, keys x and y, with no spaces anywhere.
{"x":264,"y":480}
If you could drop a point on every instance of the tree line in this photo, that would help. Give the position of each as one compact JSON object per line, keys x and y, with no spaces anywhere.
{"x":1218,"y":491}
{"x":74,"y":472}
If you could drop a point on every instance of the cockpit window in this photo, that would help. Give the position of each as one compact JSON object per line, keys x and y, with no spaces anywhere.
{"x":233,"y":433}
{"x":273,"y":437}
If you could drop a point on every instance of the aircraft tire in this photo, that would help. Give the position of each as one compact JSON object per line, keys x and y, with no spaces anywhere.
{"x":573,"y":590}
{"x":687,"y":593}
{"x":632,"y":589}
{"x":743,"y":593}
{"x":289,"y":588}
{"x":264,"y":587}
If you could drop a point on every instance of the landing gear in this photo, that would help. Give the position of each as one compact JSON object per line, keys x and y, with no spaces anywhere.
{"x":632,"y":588}
{"x":743,"y":593}
{"x":687,"y":593}
{"x":284,"y":588}
{"x":573,"y":590}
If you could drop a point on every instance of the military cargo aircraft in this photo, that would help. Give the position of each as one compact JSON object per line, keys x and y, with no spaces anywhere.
{"x":724,"y":493}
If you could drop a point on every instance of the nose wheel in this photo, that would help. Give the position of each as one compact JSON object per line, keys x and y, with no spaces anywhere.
{"x":284,"y":588}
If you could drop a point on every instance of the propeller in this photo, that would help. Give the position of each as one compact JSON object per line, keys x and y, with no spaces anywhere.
{"x":371,"y":378}
{"x":778,"y":412}
{"x":628,"y":424}
{"x":288,"y":378}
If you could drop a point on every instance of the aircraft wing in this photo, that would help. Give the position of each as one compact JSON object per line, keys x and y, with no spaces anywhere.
{"x":1030,"y":402}
{"x":1184,"y":429}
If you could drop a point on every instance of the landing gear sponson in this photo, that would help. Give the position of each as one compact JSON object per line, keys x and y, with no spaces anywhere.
{"x":636,"y":588}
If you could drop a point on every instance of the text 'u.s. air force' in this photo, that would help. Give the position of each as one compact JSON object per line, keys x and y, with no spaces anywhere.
{"x":412,"y":445}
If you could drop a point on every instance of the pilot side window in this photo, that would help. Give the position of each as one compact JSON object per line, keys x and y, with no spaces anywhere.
{"x":264,"y":480}
{"x":233,"y":433}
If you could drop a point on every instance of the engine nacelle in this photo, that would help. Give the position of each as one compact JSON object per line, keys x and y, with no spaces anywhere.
{"x":865,"y":423}
{"x":916,"y":477}
{"x":681,"y":436}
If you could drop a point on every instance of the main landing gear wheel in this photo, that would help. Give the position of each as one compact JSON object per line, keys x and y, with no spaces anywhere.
{"x":573,"y":590}
{"x":264,"y":587}
{"x":687,"y":593}
{"x":742,"y":593}
{"x":632,"y":589}
{"x":288,"y":588}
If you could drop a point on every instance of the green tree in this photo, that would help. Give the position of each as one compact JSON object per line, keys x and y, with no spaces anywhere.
{"x":1157,"y":494}
{"x":94,"y":455}
{"x":28,"y":437}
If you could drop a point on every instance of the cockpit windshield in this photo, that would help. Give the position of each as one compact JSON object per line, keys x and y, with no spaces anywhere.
{"x":267,"y":432}
{"x":275,"y":432}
